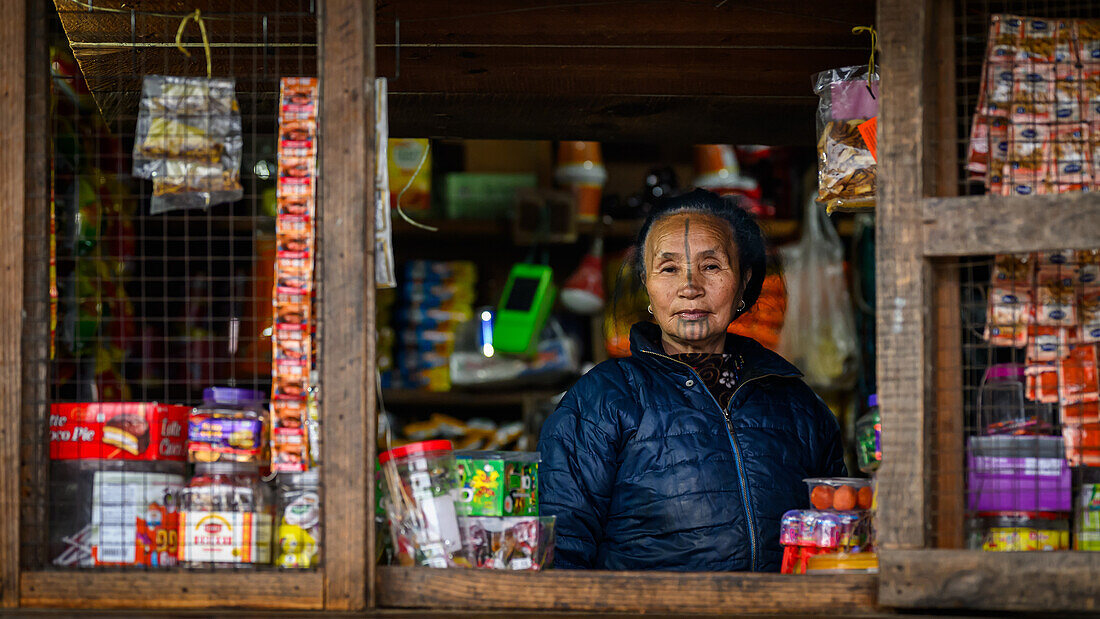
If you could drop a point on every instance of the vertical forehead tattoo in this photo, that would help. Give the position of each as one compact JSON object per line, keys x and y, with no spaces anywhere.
{"x":687,"y":248}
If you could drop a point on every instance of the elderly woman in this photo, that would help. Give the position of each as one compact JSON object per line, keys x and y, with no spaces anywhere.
{"x":684,"y":455}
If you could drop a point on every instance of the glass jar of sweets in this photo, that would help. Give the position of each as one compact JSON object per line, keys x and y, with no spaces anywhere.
{"x":226,"y":515}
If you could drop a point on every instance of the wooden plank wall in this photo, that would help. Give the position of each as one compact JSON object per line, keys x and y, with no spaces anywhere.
{"x":13,"y":114}
{"x":902,"y":276}
{"x":347,"y":299}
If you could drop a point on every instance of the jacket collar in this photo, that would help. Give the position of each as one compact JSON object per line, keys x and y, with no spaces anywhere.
{"x":645,"y":337}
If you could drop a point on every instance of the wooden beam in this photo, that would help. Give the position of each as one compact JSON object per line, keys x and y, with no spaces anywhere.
{"x":34,"y":448}
{"x":901,"y":276}
{"x":13,"y":115}
{"x":346,"y":208}
{"x":150,"y":590}
{"x":979,"y":225}
{"x":626,"y":592}
{"x":1050,"y":582}
{"x":948,"y":486}
{"x":687,"y":119}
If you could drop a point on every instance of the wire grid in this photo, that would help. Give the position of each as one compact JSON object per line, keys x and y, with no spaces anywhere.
{"x":149,"y":308}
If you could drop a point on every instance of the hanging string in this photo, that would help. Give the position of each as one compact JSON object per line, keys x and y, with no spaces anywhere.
{"x":401,"y":211}
{"x":871,"y":63}
{"x":197,"y":16}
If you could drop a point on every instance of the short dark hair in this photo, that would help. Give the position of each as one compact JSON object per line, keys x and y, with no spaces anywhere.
{"x":751,"y":254}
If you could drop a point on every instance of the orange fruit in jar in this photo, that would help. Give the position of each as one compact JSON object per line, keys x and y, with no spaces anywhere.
{"x":864,"y":497}
{"x":845,"y":498}
{"x":821,"y":497}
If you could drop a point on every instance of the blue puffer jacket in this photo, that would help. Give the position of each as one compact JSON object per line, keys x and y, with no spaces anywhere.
{"x":642,"y":473}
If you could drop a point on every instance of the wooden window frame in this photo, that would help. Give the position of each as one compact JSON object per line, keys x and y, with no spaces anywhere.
{"x":922,"y":226}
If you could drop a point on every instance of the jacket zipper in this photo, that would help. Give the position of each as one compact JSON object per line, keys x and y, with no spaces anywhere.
{"x":741,"y":478}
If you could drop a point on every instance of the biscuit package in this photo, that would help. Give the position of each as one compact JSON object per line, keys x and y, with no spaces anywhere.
{"x":292,"y":295}
{"x":847,"y":114}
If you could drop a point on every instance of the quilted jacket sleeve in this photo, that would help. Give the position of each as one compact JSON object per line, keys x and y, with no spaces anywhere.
{"x":577,"y":473}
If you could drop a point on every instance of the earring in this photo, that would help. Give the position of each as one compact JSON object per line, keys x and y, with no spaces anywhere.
{"x":650,"y":308}
{"x":741,"y":306}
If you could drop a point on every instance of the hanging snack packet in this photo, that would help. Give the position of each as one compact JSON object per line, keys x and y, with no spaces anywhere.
{"x":188,"y":141}
{"x":1089,"y":315}
{"x":846,"y":163}
{"x":1077,"y":379}
{"x":1008,"y":317}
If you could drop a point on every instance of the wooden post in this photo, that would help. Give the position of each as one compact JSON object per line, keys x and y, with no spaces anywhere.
{"x":346,"y":210}
{"x":13,"y":115}
{"x":902,"y":276}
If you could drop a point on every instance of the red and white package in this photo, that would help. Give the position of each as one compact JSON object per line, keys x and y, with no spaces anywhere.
{"x":118,"y":431}
{"x":1082,"y":444}
{"x":1077,"y":379}
{"x":1088,"y":313}
{"x":298,"y":98}
{"x":1009,"y":312}
{"x":1081,"y":413}
{"x":293,"y":276}
{"x":1071,"y":155}
{"x":288,"y":450}
{"x":1005,"y":32}
{"x":1088,"y":40}
{"x":1088,"y":267}
{"x":1029,"y":152}
{"x":1056,"y":305}
{"x":1046,"y":344}
{"x":1042,"y":382}
{"x":1013,"y":271}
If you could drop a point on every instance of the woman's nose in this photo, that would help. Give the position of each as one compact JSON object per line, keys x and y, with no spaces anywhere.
{"x":690,"y":288}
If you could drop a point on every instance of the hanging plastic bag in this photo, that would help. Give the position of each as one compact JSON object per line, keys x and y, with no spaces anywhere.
{"x":819,"y":332}
{"x":188,"y":141}
{"x":846,"y":148}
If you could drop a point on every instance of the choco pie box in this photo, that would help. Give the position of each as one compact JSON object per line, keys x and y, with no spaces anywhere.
{"x":118,"y":431}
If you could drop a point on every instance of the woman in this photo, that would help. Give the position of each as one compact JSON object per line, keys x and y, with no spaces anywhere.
{"x":685,"y":455}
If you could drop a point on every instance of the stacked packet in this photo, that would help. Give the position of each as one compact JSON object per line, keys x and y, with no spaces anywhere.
{"x":295,"y":251}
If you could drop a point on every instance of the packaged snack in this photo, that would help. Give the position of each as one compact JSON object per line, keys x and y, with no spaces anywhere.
{"x":1081,"y":413}
{"x":298,"y":98}
{"x":1086,"y":532}
{"x":1029,"y":153}
{"x":1013,"y":271}
{"x":410,"y":164}
{"x":1082,"y":439}
{"x":1056,"y":305}
{"x":290,"y":378}
{"x":513,"y":543}
{"x":497,"y":483}
{"x":298,"y":521}
{"x":1077,"y":376}
{"x":1072,"y":155}
{"x":226,"y":516}
{"x":419,"y":482}
{"x":1017,"y":531}
{"x":1008,"y":316}
{"x":118,"y":431}
{"x":297,"y":138}
{"x":229,"y":426}
{"x":1047,"y":344}
{"x":1088,"y":267}
{"x":1089,"y":315}
{"x":1088,"y":40}
{"x":846,"y":165}
{"x":1006,"y":472}
{"x":839,"y":493}
{"x":288,"y":450}
{"x":1042,"y":382}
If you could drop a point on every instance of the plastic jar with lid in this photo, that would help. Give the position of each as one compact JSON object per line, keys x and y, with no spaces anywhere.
{"x":1024,"y":531}
{"x":1003,"y":407}
{"x":869,"y":437}
{"x":421,"y":484}
{"x":225,"y":518}
{"x":298,"y":526}
{"x":230,"y":426}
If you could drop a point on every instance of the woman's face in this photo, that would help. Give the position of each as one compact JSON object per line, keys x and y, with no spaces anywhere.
{"x":694,"y":281}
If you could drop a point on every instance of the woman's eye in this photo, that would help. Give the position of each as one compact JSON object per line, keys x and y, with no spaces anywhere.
{"x":668,"y":269}
{"x":710,"y":267}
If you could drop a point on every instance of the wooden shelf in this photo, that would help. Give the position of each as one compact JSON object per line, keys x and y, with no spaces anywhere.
{"x":627,"y":592}
{"x":978,"y":225}
{"x":416,"y":397}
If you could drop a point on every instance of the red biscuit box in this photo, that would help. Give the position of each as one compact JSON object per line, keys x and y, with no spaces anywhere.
{"x":118,"y":431}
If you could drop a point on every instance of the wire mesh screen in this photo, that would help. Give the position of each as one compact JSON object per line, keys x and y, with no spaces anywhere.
{"x":152,"y":442}
{"x":1030,"y":327}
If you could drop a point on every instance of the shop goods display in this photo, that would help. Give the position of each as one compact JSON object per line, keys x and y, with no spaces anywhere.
{"x":435,"y":299}
{"x":835,"y":564}
{"x":188,"y":141}
{"x":497,"y":483}
{"x":420,"y":482}
{"x":583,"y":291}
{"x":230,"y":426}
{"x":478,"y":433}
{"x":1034,"y":130}
{"x":294,"y":326}
{"x":846,"y":116}
{"x":869,"y":438}
{"x":226,"y":516}
{"x":1020,"y":531}
{"x":717,"y":170}
{"x":580,"y":169}
{"x":1017,"y":473}
{"x":464,"y":509}
{"x":1048,"y":304}
{"x":809,"y":533}
{"x":298,"y":520}
{"x":840,"y":493}
{"x":118,"y":431}
{"x":512,"y":543}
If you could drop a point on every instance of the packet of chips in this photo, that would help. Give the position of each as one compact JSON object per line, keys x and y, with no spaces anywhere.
{"x":846,"y":162}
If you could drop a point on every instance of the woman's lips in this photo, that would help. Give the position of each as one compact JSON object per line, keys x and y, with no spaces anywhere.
{"x":692,"y":314}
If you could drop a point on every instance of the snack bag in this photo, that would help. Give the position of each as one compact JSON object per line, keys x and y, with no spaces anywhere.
{"x":846,"y":162}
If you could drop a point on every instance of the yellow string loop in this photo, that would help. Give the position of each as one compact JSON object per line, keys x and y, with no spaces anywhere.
{"x":874,"y":43}
{"x":197,"y":16}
